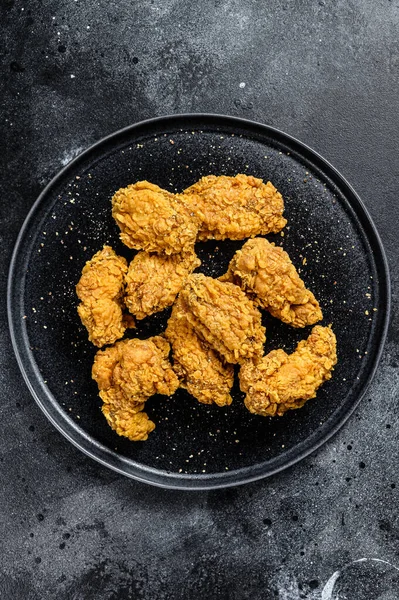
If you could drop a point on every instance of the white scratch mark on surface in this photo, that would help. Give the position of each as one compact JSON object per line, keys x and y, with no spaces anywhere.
{"x":328,"y":589}
{"x":70,"y":155}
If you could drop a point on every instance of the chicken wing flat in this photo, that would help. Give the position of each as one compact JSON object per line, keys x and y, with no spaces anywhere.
{"x":100,"y":290}
{"x":265,"y":272}
{"x":200,"y":369}
{"x":235,"y":207}
{"x":154,"y":280}
{"x":127,"y":374}
{"x":281,"y":382}
{"x":224,"y":317}
{"x":153,"y":219}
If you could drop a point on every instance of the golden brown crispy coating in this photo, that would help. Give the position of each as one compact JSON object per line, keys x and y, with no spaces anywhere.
{"x":200,"y":368}
{"x":101,"y":289}
{"x":224,"y":317}
{"x":153,"y":281}
{"x":265,"y":272}
{"x":153,"y":219}
{"x":129,"y":423}
{"x":280,"y":382}
{"x":127,"y":374}
{"x":235,"y":207}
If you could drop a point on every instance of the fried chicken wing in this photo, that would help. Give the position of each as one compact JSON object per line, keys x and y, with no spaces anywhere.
{"x":127,"y":374}
{"x":201,"y":370}
{"x":224,"y":317}
{"x":265,"y":272}
{"x":280,"y":381}
{"x":153,"y":219}
{"x":154,"y":280}
{"x":235,"y":207}
{"x":100,"y":290}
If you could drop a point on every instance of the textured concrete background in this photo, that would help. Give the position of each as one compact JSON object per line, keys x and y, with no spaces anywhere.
{"x":325,"y":72}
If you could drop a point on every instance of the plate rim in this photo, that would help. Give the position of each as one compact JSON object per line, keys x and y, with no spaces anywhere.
{"x":158,"y":477}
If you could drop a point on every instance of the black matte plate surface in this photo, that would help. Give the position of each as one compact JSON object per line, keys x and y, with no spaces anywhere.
{"x":330,"y":239}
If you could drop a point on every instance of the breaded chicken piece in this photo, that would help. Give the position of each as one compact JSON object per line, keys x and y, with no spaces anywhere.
{"x":153,"y":219}
{"x":101,"y":289}
{"x":265,"y":272}
{"x":127,"y":374}
{"x":127,"y":422}
{"x":224,"y":317}
{"x":280,"y":381}
{"x":154,"y":280}
{"x":200,"y":369}
{"x":235,"y":207}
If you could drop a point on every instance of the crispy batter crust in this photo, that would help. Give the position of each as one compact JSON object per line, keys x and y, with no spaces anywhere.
{"x":127,"y":374}
{"x":153,"y":219}
{"x":128,"y":423}
{"x":265,"y":272}
{"x":235,"y":207}
{"x":101,"y":289}
{"x":153,"y":281}
{"x":224,"y":317}
{"x":201,"y":370}
{"x":281,"y":382}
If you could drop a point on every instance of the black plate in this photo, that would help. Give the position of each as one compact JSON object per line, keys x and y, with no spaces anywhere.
{"x":196,"y":446}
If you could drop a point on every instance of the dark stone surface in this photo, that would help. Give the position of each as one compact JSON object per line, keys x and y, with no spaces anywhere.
{"x":327,"y":73}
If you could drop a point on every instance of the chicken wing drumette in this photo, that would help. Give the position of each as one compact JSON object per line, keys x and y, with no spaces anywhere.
{"x":154,"y":280}
{"x":224,"y":317}
{"x":127,"y":374}
{"x":280,"y":381}
{"x":153,"y":219}
{"x":235,"y":207}
{"x":101,"y":289}
{"x":265,"y":272}
{"x":201,"y":370}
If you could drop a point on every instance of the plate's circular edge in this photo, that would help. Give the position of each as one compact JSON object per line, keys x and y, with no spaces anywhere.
{"x":219,"y":480}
